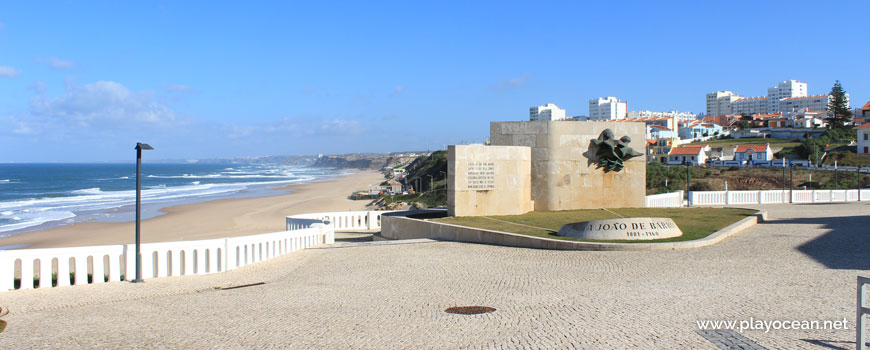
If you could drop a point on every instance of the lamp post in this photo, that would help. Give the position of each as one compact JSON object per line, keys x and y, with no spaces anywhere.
{"x":139,"y":148}
{"x":431,"y":181}
{"x":790,"y":182}
{"x":688,"y":198}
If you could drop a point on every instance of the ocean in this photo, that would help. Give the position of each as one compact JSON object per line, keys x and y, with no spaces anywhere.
{"x":39,"y":196}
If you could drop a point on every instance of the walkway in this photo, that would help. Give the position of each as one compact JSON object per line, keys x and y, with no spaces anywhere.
{"x":800,"y":265}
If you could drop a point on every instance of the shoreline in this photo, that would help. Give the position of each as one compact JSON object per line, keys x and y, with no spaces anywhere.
{"x":217,"y":218}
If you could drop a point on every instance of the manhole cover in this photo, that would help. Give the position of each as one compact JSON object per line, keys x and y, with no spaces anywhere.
{"x":469,"y":310}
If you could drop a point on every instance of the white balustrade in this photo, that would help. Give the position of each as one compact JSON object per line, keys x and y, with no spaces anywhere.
{"x":344,"y":220}
{"x":775,"y":196}
{"x":708,"y":197}
{"x":110,"y":263}
{"x":665,"y":200}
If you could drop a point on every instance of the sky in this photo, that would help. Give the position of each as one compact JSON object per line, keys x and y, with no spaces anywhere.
{"x":83,"y":81}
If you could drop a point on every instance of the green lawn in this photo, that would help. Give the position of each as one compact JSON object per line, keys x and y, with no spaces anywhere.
{"x":749,"y":141}
{"x":694,"y":222}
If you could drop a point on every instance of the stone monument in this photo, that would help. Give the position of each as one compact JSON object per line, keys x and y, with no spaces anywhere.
{"x":580,"y":165}
{"x":488,"y":180}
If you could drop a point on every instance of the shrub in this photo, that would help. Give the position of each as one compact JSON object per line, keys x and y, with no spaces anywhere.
{"x":700,"y":186}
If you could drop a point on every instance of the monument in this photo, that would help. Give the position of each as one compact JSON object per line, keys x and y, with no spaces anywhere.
{"x":581,"y":165}
{"x":557,"y":165}
{"x":488,"y":180}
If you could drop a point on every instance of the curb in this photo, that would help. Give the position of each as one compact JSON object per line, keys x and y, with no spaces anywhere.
{"x":449,"y":232}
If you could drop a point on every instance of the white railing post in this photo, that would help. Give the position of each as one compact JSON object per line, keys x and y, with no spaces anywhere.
{"x":45,"y":273}
{"x":97,"y":269}
{"x":26,"y":273}
{"x":63,"y":271}
{"x":130,"y":264}
{"x":862,"y":310}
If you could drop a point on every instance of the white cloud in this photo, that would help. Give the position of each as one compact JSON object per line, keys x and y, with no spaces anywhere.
{"x":8,"y":72}
{"x":178,"y":88}
{"x":399,"y":90}
{"x":14,"y":126}
{"x":58,"y":63}
{"x":104,"y":104}
{"x":512,"y":83}
{"x":38,"y":87}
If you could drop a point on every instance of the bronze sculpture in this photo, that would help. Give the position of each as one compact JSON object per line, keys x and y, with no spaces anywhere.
{"x":612,"y":153}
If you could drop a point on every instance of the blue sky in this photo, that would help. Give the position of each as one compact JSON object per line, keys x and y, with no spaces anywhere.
{"x":84,"y":81}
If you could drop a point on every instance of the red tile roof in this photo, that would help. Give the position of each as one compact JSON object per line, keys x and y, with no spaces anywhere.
{"x":863,"y":126}
{"x":866,"y":107}
{"x":691,"y":150}
{"x":754,"y":148}
{"x":660,"y":127}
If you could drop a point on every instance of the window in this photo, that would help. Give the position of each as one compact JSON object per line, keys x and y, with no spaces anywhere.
{"x":865,"y":137}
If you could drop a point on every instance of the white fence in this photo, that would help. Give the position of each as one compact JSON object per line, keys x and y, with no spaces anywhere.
{"x":776,"y":196}
{"x":110,"y":263}
{"x":341,"y":220}
{"x":100,"y":264}
{"x":665,"y":200}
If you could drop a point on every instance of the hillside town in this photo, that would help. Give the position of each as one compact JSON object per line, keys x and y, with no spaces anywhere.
{"x":759,"y":127}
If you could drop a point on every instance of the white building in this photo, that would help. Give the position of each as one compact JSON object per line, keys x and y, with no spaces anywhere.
{"x":818,"y":103}
{"x":786,"y":89}
{"x":750,"y":106}
{"x":786,"y":96}
{"x":608,"y":108}
{"x":747,"y":154}
{"x":863,"y":138}
{"x":719,"y":102}
{"x":547,"y":112}
{"x":680,"y":116}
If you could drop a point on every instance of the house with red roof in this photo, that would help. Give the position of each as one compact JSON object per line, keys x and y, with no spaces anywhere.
{"x":749,"y":154}
{"x":863,"y":137}
{"x":692,"y":154}
{"x":865,"y":113}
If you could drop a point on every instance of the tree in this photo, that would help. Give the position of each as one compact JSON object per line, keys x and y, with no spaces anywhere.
{"x":838,"y":108}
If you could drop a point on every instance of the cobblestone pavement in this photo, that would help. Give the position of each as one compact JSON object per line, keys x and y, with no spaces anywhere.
{"x":800,"y":265}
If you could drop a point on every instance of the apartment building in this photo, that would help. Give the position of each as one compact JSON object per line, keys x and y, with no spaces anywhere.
{"x":547,"y":112}
{"x":786,"y":96}
{"x":607,"y":108}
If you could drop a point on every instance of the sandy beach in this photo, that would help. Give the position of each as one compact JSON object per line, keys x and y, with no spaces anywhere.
{"x":212,"y":219}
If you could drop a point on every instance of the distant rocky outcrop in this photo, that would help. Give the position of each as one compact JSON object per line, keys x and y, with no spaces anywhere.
{"x":365,"y":161}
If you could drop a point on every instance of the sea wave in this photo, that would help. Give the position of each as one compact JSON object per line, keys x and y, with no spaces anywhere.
{"x":25,"y":220}
{"x":37,"y":207}
{"x":95,"y":190}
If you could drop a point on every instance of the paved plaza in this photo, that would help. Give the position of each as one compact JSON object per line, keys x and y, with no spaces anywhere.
{"x":799,"y":265}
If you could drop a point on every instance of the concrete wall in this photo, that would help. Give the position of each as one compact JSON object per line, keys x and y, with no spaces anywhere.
{"x":562,"y":177}
{"x":492,"y":180}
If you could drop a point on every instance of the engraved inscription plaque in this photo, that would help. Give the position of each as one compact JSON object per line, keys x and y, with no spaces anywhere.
{"x":480,"y":176}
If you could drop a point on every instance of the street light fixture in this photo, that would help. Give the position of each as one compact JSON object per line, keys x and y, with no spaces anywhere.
{"x":431,"y":181}
{"x":139,"y":148}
